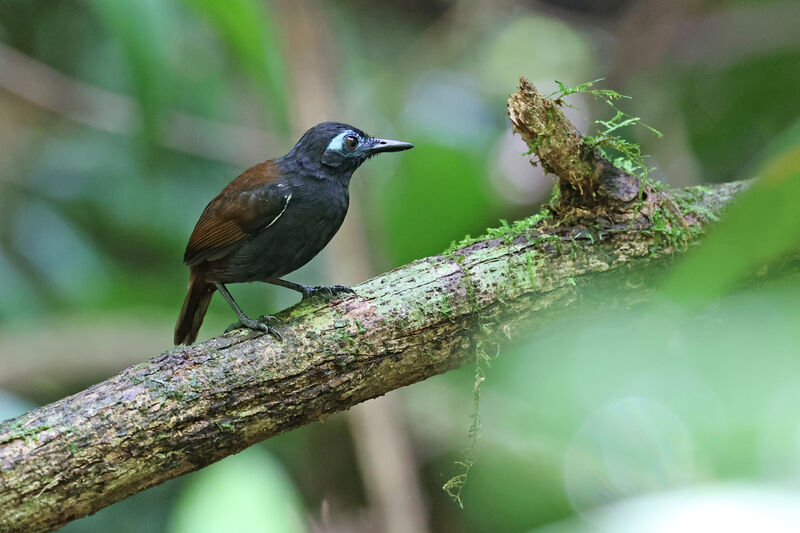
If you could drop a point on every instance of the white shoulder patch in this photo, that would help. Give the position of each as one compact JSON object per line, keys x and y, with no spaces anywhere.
{"x":285,"y":205}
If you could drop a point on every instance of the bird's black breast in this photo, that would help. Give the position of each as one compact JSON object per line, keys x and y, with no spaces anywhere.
{"x":312,"y":217}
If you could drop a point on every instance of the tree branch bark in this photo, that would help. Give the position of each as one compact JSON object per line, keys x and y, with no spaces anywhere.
{"x":192,"y":406}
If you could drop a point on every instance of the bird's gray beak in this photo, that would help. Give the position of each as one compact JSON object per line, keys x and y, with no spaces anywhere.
{"x":387,"y":145}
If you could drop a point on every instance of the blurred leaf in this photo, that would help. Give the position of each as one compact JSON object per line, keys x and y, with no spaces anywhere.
{"x":507,"y":492}
{"x":783,"y":155}
{"x":252,"y":36}
{"x":760,"y":227}
{"x":60,"y":253}
{"x":248,"y":492}
{"x":437,"y":195}
{"x":21,"y":295}
{"x":604,"y":405}
{"x":539,"y":47}
{"x":734,"y":112}
{"x":145,"y":512}
{"x":144,"y":29}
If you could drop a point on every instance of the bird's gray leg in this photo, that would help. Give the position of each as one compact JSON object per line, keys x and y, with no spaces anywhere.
{"x":244,"y":320}
{"x":309,"y":291}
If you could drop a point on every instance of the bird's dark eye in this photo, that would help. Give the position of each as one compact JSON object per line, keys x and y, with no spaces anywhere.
{"x":351,"y":141}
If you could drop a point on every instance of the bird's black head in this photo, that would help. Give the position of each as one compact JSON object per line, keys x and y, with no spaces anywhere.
{"x":333,"y":148}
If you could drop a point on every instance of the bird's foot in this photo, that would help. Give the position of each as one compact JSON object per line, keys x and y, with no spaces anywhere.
{"x":262,"y":324}
{"x":309,"y":291}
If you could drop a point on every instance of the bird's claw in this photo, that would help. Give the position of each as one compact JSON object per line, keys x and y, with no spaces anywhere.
{"x":326,"y":291}
{"x":267,"y":319}
{"x":262,"y":324}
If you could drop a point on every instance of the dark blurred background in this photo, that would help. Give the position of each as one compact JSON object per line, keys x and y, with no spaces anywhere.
{"x":120,"y":119}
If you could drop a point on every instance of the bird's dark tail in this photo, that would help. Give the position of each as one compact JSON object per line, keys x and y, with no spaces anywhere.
{"x":194,"y":309}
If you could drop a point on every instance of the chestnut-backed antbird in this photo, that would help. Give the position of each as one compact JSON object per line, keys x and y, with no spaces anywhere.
{"x":273,"y":219}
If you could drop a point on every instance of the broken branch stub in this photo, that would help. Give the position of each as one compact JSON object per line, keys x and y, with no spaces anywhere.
{"x":586,"y":180}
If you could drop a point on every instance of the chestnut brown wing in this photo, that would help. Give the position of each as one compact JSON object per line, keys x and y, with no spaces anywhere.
{"x":249,"y":204}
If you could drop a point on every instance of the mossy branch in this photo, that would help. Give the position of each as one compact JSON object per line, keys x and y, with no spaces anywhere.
{"x":191,"y":406}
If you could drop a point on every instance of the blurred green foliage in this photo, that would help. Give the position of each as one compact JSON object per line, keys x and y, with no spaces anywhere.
{"x":752,"y":102}
{"x":245,"y":492}
{"x":609,"y":406}
{"x":143,"y":30}
{"x":250,"y":32}
{"x":605,"y":407}
{"x":759,"y":230}
{"x":458,"y":200}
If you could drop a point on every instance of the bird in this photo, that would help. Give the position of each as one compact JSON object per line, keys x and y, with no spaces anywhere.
{"x":272,"y":219}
